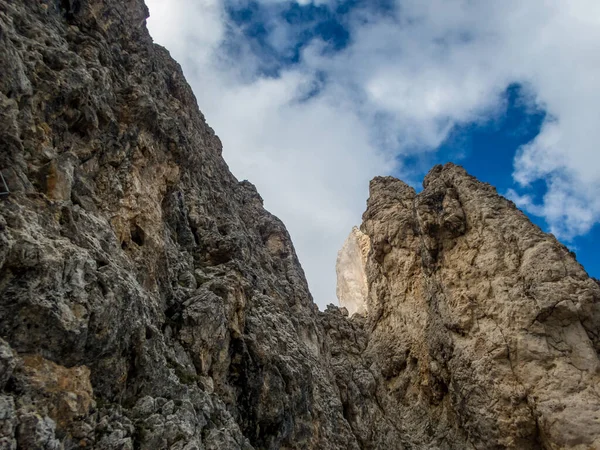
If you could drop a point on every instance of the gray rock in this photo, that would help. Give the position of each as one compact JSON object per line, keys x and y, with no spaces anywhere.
{"x":149,"y":299}
{"x":7,"y":363}
{"x":8,"y":422}
{"x":37,"y":433}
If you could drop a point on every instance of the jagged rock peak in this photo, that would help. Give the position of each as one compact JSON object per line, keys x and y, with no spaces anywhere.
{"x":480,"y":320}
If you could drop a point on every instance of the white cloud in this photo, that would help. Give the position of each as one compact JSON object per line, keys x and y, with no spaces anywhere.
{"x":400,"y":86}
{"x":183,"y":25}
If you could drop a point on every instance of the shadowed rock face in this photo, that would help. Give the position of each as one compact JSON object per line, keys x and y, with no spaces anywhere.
{"x":148,"y":301}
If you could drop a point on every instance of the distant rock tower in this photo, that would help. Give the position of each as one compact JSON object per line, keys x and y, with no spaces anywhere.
{"x":352,"y":288}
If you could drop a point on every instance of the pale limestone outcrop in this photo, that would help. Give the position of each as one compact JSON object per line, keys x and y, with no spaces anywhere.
{"x":352,"y":289}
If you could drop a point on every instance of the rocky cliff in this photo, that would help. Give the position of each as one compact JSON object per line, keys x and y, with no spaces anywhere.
{"x":484,"y":327}
{"x":148,"y":301}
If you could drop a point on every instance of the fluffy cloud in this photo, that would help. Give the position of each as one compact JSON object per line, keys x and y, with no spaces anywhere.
{"x":310,"y":135}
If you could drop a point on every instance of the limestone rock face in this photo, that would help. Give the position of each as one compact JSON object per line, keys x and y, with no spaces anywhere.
{"x":148,"y":301}
{"x":352,"y":289}
{"x":485,"y":329}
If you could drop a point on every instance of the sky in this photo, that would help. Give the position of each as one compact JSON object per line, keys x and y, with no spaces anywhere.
{"x":313,"y":98}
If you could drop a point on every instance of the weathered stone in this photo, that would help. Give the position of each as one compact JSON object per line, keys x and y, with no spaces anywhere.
{"x":133,"y":265}
{"x":148,"y":301}
{"x":7,"y":363}
{"x":65,"y":393}
{"x":8,"y":422}
{"x":36,"y":432}
{"x":483,"y":326}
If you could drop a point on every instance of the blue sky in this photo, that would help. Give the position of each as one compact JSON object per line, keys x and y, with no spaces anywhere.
{"x":312,"y":98}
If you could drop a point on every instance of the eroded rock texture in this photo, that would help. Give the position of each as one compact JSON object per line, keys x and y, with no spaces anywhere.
{"x":148,"y":301}
{"x":485,"y":329}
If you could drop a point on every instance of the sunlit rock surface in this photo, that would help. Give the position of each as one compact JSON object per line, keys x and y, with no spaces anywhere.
{"x":352,"y":289}
{"x":484,"y":327}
